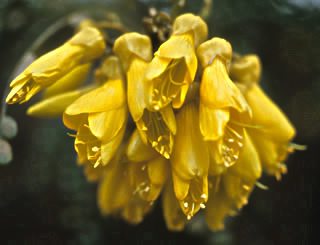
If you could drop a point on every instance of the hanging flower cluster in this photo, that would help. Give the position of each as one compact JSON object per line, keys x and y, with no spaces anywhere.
{"x":189,"y":122}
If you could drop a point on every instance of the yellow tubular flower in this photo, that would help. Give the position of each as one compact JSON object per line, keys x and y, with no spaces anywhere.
{"x":117,"y":196}
{"x":275,"y":130}
{"x":100,"y":118}
{"x":147,"y":170}
{"x":173,"y":215}
{"x":218,"y":94}
{"x":174,"y":66}
{"x":156,"y":128}
{"x":190,"y":161}
{"x":71,"y":81}
{"x":55,"y":106}
{"x":87,"y":45}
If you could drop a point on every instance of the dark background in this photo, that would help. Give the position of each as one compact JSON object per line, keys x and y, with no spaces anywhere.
{"x":44,"y":197}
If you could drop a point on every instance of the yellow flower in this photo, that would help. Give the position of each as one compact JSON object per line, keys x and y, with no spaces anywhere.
{"x":156,"y":128}
{"x":219,"y":97}
{"x":174,"y":66}
{"x":99,"y":117}
{"x":190,"y":161}
{"x":147,"y":170}
{"x":85,"y":46}
{"x":275,"y":131}
{"x":230,"y":190}
{"x":118,"y":196}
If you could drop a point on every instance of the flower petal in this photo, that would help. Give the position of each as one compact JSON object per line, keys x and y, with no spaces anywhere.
{"x":56,"y":105}
{"x":106,"y":125}
{"x":71,"y":81}
{"x":213,"y":122}
{"x":174,"y":217}
{"x":190,"y":157}
{"x":108,"y":149}
{"x":108,"y":97}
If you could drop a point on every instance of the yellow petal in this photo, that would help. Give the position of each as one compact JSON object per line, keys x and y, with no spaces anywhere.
{"x":136,"y":88}
{"x":218,"y":91}
{"x":55,"y":105}
{"x":71,"y":81}
{"x":246,"y":70}
{"x":191,"y":23}
{"x":237,"y":189}
{"x":248,"y":166}
{"x":274,"y":124}
{"x":174,"y":217}
{"x":135,"y":210}
{"x":158,"y":170}
{"x":218,"y":207}
{"x":108,"y":149}
{"x":108,"y":97}
{"x":111,"y":69}
{"x":190,"y":157}
{"x":106,"y":125}
{"x":110,"y":198}
{"x":177,"y":47}
{"x":216,"y":47}
{"x":132,"y":44}
{"x":181,"y":186}
{"x":271,"y":153}
{"x":137,"y":151}
{"x":216,"y":166}
{"x":212,"y":122}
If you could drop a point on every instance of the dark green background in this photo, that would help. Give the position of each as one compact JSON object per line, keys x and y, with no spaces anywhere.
{"x":44,"y":197}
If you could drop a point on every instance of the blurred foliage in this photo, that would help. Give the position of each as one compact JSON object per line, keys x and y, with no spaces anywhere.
{"x":44,"y":197}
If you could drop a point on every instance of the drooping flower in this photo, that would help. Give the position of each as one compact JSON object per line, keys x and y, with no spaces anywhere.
{"x":219,"y":97}
{"x":222,"y":106}
{"x":147,"y":170}
{"x":156,"y":128}
{"x":230,"y":191}
{"x":174,"y":65}
{"x":190,"y":161}
{"x":87,"y":45}
{"x":138,"y":183}
{"x":100,"y":118}
{"x":275,"y":131}
{"x":116,"y":195}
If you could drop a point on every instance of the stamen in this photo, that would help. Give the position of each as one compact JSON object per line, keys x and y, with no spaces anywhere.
{"x":154,"y":144}
{"x":202,"y":205}
{"x":297,"y":147}
{"x":246,"y":187}
{"x":95,"y":149}
{"x":186,"y":204}
{"x":204,"y":196}
{"x":166,"y":155}
{"x":97,"y":162}
{"x":261,"y":186}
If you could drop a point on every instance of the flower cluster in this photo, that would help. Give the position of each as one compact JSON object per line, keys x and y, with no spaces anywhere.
{"x":189,"y":122}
